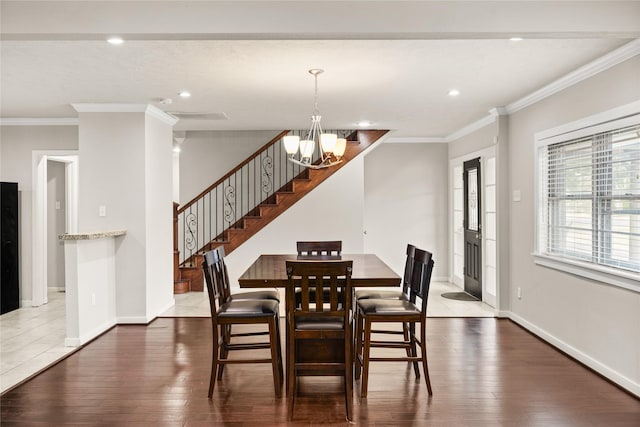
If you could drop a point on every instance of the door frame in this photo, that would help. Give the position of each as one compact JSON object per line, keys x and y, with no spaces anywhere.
{"x":39,"y":214}
{"x":484,"y":154}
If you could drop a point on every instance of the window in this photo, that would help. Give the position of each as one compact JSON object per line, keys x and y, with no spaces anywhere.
{"x":589,"y":197}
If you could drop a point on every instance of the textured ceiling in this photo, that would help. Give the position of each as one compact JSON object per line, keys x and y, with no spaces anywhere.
{"x":398,"y":84}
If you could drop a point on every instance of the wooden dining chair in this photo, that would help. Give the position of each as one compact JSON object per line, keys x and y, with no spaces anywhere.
{"x":399,"y":294}
{"x":324,"y":249}
{"x":215,"y":260}
{"x":412,"y":311}
{"x":319,"y":340}
{"x":227,"y":313}
{"x":319,"y":248}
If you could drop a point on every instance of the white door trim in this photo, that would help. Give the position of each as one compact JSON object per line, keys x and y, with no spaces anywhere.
{"x":39,"y":214}
{"x":483,"y":154}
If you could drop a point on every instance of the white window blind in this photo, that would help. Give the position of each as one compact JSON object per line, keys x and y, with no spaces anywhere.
{"x":589,"y":198}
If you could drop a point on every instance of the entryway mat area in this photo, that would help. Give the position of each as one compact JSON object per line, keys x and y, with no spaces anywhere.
{"x":460,"y":296}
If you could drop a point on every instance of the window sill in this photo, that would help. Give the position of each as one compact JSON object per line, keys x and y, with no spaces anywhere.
{"x":610,"y":276}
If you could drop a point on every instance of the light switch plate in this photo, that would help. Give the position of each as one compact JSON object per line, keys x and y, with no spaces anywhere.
{"x":516,"y":195}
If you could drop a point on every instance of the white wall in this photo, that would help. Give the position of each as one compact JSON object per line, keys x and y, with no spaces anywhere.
{"x":159,"y":215}
{"x":593,"y":321}
{"x":206,"y":156}
{"x":112,"y":174}
{"x":406,"y":201}
{"x":18,"y":143}
{"x":126,"y":166}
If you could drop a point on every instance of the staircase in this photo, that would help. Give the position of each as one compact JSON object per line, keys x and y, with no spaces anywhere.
{"x":246,"y":200}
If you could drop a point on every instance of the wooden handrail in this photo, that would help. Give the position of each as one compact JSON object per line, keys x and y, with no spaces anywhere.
{"x":234,"y":170}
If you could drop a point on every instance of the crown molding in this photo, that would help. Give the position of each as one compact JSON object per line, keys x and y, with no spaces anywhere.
{"x":597,"y":66}
{"x":127,"y":108}
{"x":39,"y":121}
{"x":167,"y":118}
{"x":417,"y":140}
{"x":472,"y":127}
{"x":110,"y":108}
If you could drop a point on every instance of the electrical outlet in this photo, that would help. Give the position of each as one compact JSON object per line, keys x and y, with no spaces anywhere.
{"x":102,"y":210}
{"x":57,"y":205}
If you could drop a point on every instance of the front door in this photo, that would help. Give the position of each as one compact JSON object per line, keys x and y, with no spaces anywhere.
{"x":472,"y":229}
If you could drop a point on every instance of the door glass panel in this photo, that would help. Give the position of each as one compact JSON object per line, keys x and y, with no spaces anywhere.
{"x":472,"y":198}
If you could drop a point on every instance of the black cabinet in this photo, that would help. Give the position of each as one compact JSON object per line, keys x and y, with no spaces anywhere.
{"x":9,"y":274}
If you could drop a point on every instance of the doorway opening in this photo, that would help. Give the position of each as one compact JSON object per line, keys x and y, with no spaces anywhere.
{"x":42,"y":237}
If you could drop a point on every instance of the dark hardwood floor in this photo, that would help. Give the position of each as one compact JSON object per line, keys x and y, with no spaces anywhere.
{"x":484,"y":372}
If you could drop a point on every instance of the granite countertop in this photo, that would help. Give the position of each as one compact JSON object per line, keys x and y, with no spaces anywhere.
{"x":91,"y":236}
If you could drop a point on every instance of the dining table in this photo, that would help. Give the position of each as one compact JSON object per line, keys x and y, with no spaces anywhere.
{"x":269,"y":271}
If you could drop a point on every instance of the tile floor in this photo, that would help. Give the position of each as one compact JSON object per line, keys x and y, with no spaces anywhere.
{"x":32,"y":338}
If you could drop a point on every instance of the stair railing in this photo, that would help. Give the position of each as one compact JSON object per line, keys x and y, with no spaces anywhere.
{"x":205,"y":219}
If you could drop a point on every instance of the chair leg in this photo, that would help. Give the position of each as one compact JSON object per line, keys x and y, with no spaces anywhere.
{"x":278,"y":342}
{"x":291,"y":377}
{"x":407,"y":337}
{"x":423,"y":351}
{"x":348,"y":377}
{"x":358,"y":347}
{"x":366,"y":348}
{"x":225,"y":332}
{"x":214,"y":361}
{"x":413,"y":349}
{"x":275,"y":355}
{"x":292,"y":396}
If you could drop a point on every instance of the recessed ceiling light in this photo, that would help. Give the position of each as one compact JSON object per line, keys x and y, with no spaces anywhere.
{"x":115,"y":40}
{"x":454,"y":92}
{"x":185,"y":94}
{"x":364,"y":123}
{"x":516,"y":39}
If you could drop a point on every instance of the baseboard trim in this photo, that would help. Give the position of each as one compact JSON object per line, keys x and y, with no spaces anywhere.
{"x":89,"y":336}
{"x":600,"y":368}
{"x":133,"y":320}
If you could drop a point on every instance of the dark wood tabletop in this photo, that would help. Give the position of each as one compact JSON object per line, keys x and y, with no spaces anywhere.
{"x":269,"y":271}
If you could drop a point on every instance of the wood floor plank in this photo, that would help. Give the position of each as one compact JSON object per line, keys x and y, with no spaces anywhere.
{"x":484,"y":372}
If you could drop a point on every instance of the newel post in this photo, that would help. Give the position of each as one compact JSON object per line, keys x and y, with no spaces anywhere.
{"x":176,"y":252}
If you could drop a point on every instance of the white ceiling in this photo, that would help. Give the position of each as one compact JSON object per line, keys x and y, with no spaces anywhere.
{"x":249,"y":60}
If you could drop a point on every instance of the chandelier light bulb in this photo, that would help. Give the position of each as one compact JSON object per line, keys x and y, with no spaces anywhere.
{"x":291,"y":143}
{"x":341,"y":145}
{"x":328,"y":141}
{"x":306,"y":148}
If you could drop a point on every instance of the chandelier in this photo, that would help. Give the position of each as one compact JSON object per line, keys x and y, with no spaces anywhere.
{"x":331,"y":148}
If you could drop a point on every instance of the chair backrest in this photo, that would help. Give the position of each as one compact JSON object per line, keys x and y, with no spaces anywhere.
{"x":329,"y":247}
{"x":421,"y":277}
{"x":312,"y":277}
{"x":211,"y":268}
{"x":215,"y":259}
{"x":408,"y":268}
